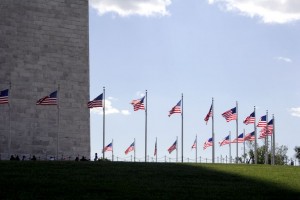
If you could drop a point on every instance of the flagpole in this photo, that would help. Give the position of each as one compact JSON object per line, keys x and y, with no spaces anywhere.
{"x":146,"y":111}
{"x":237,"y":129}
{"x":9,"y":113}
{"x":103,"y":107}
{"x":57,"y":145}
{"x":156,"y":150}
{"x":244,"y":147}
{"x":230,"y":147}
{"x":273,"y":155}
{"x":134,"y":150}
{"x":196,"y":148}
{"x":255,"y":133}
{"x":176,"y":148}
{"x":112,"y":150}
{"x":266,"y":140}
{"x":182,"y":127}
{"x":213,"y":132}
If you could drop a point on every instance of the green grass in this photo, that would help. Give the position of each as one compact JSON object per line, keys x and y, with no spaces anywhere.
{"x":117,"y":180}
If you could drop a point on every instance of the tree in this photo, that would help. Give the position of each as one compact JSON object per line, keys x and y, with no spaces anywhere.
{"x":297,"y":150}
{"x":280,"y":154}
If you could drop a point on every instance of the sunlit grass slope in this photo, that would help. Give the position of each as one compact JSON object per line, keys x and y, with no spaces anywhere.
{"x":117,"y":180}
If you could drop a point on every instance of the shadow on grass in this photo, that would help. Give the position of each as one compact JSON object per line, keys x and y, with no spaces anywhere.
{"x":117,"y":180}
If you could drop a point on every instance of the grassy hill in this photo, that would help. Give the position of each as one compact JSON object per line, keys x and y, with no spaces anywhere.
{"x":120,"y":180}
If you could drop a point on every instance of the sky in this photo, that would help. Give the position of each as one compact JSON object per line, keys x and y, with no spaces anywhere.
{"x":231,"y":50}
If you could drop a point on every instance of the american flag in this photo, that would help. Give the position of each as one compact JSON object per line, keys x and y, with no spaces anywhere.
{"x":225,"y":141}
{"x":265,"y":132}
{"x":230,"y":114}
{"x":263,"y":121}
{"x":138,"y":104}
{"x":209,"y":114}
{"x":4,"y":96}
{"x":271,"y":125}
{"x":173,"y":147}
{"x":239,"y":139}
{"x":195,"y":144}
{"x":250,"y":119}
{"x":250,"y":136}
{"x":109,"y":147}
{"x":155,"y":149}
{"x":48,"y":100}
{"x":175,"y":109}
{"x":130,"y":148}
{"x":208,"y":143}
{"x":97,"y":102}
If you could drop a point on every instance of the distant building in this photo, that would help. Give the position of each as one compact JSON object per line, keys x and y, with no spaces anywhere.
{"x":43,"y":48}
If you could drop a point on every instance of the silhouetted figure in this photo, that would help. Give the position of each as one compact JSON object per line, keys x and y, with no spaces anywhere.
{"x":76,"y":159}
{"x":83,"y":159}
{"x":96,"y":157}
{"x":33,"y":158}
{"x":12,"y":157}
{"x":292,"y":162}
{"x":23,"y":158}
{"x":17,"y":158}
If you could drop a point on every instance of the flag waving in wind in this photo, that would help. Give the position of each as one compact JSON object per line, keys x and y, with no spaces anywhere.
{"x":239,"y":139}
{"x":262,"y":122}
{"x":209,"y":114}
{"x":109,"y":147}
{"x":138,"y":104}
{"x":250,"y":119}
{"x":225,"y":141}
{"x":4,"y":96}
{"x":195,"y":144}
{"x":130,"y":148}
{"x":250,"y":136}
{"x":48,"y":100}
{"x":208,"y":143}
{"x":230,"y":114}
{"x":173,"y":147}
{"x":175,"y":109}
{"x":97,"y":102}
{"x":155,"y":149}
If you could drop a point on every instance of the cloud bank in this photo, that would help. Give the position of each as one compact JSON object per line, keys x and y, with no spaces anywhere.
{"x":125,"y":8}
{"x":295,"y":112}
{"x":109,"y":109}
{"x":285,"y":59}
{"x":270,"y":11}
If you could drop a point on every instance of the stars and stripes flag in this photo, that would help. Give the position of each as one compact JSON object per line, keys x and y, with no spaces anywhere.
{"x":175,"y":109}
{"x":109,"y":147}
{"x":250,"y":136}
{"x":130,"y":148}
{"x":4,"y":96}
{"x":51,"y":99}
{"x":263,"y":121}
{"x":138,"y":104}
{"x":225,"y":141}
{"x":195,"y":144}
{"x":230,"y":114}
{"x":265,"y":132}
{"x":173,"y":147}
{"x":97,"y":102}
{"x":239,"y":139}
{"x":208,"y":143}
{"x":209,"y":114}
{"x":271,"y":125}
{"x":155,"y":149}
{"x":250,"y":119}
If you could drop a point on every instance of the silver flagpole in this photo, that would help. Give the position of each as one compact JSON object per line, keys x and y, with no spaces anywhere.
{"x":237,"y":130}
{"x":146,"y":111}
{"x":103,"y":107}
{"x":156,"y":150}
{"x":58,"y":123}
{"x":112,"y":150}
{"x":9,"y":113}
{"x":273,"y":153}
{"x":176,"y":148}
{"x":230,"y":147}
{"x":181,"y":128}
{"x":213,"y":131}
{"x":134,"y":150}
{"x":266,"y":140}
{"x":196,"y":147}
{"x":244,"y":147}
{"x":255,"y":133}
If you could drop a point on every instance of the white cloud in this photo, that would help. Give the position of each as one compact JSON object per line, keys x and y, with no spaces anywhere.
{"x":295,"y":112}
{"x":132,"y":7}
{"x":285,"y":59}
{"x":109,"y":109}
{"x":270,"y":11}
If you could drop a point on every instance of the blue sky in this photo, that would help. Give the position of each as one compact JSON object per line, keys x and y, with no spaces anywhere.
{"x":230,"y":50}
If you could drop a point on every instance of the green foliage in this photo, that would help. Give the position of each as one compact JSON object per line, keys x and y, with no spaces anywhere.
{"x":297,"y":150}
{"x":121,"y":180}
